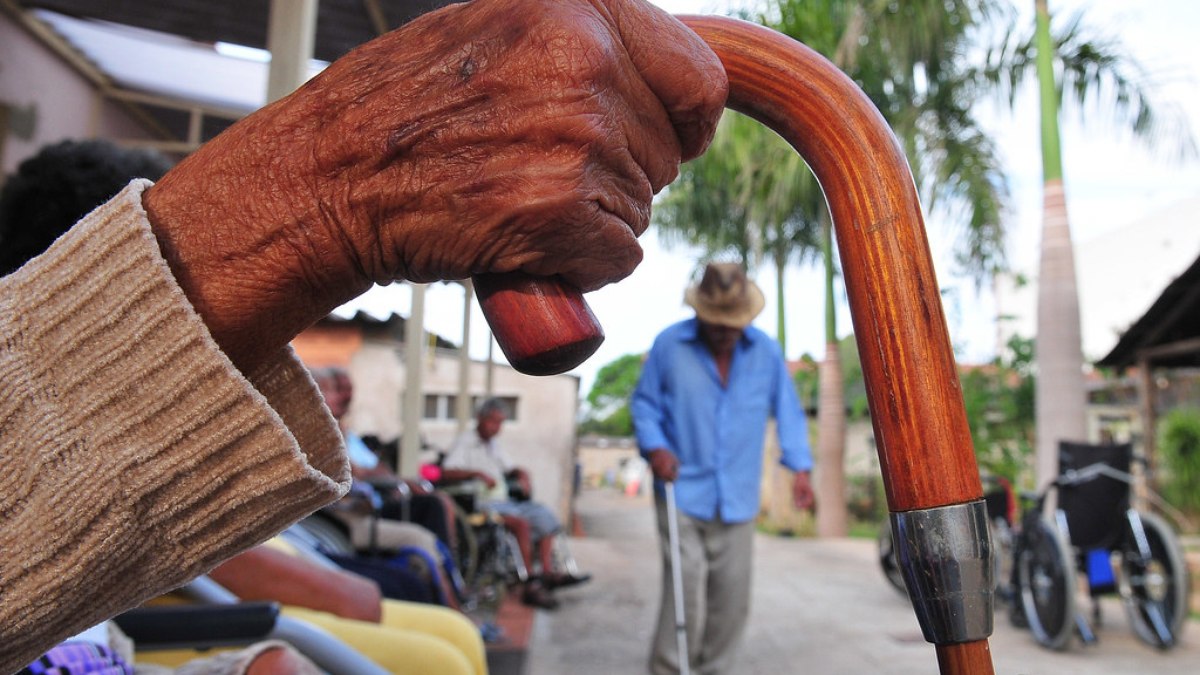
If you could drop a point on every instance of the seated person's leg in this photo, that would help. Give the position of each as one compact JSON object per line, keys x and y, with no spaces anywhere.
{"x":389,"y":535}
{"x":403,"y":652}
{"x":524,"y":535}
{"x":543,"y":526}
{"x":430,"y":511}
{"x":536,"y":593}
{"x":439,"y":622}
{"x":281,"y":660}
{"x":394,"y":583}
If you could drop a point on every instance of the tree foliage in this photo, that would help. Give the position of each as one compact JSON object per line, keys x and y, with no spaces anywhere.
{"x":1093,"y":71}
{"x":807,"y":380}
{"x":1000,"y":410}
{"x":608,"y":399}
{"x":914,"y":61}
{"x":1179,"y":449}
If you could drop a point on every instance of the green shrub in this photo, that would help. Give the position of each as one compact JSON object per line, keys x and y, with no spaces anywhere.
{"x":1179,"y":452}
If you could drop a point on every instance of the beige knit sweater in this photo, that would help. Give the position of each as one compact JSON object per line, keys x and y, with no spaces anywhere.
{"x":133,"y":455}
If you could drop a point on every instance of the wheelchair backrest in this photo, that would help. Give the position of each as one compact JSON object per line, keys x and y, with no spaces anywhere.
{"x":1095,"y":509}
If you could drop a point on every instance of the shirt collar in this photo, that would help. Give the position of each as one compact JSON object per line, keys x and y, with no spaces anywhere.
{"x":690,"y":332}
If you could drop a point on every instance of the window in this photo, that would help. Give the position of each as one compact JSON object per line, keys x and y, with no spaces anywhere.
{"x":509,"y":403}
{"x":444,"y":406}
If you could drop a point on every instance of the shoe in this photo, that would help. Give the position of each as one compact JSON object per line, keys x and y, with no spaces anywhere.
{"x":537,"y":595}
{"x":565,"y":580}
{"x":492,"y":633}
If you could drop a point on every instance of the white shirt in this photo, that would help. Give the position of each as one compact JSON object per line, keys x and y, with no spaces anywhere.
{"x":469,"y":451}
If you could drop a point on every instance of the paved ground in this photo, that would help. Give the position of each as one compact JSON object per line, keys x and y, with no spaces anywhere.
{"x":819,"y":606}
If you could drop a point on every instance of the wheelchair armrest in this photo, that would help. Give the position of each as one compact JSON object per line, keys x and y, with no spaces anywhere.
{"x":385,"y":483}
{"x":197,"y":626}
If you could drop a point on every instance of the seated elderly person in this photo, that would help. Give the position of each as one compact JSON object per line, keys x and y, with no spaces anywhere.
{"x":476,"y":455}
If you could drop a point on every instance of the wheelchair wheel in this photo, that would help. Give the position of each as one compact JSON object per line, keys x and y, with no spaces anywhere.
{"x":888,"y":561}
{"x":1046,"y":580}
{"x":1154,"y":583}
{"x":1002,"y":559}
{"x":466,"y":552}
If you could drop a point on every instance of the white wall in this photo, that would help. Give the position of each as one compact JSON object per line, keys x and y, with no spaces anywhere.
{"x":541,"y":439}
{"x":67,"y":107}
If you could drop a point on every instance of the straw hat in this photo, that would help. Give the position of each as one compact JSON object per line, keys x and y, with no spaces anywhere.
{"x":725,"y":296}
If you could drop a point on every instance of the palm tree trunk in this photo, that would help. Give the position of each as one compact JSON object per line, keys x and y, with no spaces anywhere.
{"x":1060,"y":390}
{"x":780,"y":311}
{"x":832,"y":515}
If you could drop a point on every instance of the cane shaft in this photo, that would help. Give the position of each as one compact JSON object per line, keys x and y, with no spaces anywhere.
{"x":908,"y":364}
{"x":913,"y":390}
{"x":681,"y":641}
{"x":974,"y":658}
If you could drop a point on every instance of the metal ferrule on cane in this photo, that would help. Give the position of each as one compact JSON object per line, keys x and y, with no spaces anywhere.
{"x":945,"y":555}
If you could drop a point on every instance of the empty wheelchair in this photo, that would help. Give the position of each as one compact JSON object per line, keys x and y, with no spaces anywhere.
{"x":1001,"y":503}
{"x":1093,"y":531}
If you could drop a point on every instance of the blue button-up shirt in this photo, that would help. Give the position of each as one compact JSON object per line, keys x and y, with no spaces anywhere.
{"x":717,"y":431}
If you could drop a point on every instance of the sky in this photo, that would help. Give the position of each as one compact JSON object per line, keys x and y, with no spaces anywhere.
{"x":1111,"y":182}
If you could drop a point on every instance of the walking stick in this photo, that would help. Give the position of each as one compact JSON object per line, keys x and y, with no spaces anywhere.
{"x":924,"y":445}
{"x":685,"y":663}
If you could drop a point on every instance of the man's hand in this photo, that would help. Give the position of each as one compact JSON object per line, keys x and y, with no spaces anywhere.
{"x":489,"y":136}
{"x":524,"y":484}
{"x":802,"y":492}
{"x":664,"y":464}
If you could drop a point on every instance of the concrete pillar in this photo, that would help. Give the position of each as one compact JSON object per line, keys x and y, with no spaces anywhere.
{"x":291,"y":34}
{"x":414,"y":390}
{"x":462,"y":412}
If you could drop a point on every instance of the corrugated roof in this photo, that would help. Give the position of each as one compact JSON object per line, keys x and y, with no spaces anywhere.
{"x":1173,"y":319}
{"x":341,"y":24}
{"x":165,"y":48}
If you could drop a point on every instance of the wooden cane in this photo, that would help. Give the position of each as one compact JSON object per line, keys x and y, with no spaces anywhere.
{"x":913,"y":390}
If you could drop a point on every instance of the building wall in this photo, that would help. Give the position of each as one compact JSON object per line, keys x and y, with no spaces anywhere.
{"x":64,"y":103}
{"x":541,"y":438}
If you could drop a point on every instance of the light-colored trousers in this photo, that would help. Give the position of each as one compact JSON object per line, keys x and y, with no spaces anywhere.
{"x":716,"y":559}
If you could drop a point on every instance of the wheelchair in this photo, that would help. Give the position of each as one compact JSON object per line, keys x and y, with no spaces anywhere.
{"x":1093,"y":531}
{"x":1001,"y":503}
{"x":498,"y":555}
{"x":496,"y":561}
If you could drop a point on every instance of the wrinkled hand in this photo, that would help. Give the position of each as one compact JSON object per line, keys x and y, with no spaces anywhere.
{"x":664,"y":464}
{"x":802,"y":492}
{"x":489,"y":136}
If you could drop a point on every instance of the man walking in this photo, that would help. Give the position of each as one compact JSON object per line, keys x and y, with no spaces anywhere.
{"x":700,"y":411}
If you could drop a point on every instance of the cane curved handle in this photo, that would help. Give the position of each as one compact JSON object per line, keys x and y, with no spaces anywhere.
{"x":913,"y":389}
{"x":543,"y":326}
{"x":922,"y":436}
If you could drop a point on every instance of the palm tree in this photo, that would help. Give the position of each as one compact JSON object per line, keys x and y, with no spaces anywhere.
{"x":1096,"y":71}
{"x":750,"y":197}
{"x":907,"y":58}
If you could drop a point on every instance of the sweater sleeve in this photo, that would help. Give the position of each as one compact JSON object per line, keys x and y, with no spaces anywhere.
{"x":133,"y":455}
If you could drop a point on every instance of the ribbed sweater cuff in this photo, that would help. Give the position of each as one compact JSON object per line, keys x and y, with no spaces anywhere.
{"x":133,"y":455}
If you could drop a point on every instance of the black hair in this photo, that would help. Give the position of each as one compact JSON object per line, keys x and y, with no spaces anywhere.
{"x":53,"y":189}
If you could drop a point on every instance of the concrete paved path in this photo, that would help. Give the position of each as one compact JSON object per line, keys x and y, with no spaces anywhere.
{"x":819,"y":606}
